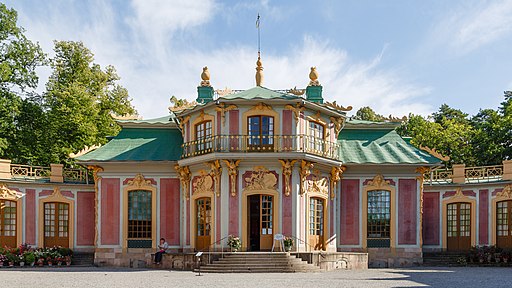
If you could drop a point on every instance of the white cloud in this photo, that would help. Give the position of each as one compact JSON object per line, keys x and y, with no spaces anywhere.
{"x":153,"y":67}
{"x":471,"y":27}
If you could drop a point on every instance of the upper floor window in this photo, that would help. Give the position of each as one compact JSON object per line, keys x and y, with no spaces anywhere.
{"x":261,"y":133}
{"x":316,"y":136}
{"x":204,"y":136}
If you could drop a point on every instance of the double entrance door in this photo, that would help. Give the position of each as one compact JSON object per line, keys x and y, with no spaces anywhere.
{"x":8,"y":223}
{"x":260,"y":222}
{"x":56,"y":224}
{"x":458,"y":226}
{"x":504,"y":224}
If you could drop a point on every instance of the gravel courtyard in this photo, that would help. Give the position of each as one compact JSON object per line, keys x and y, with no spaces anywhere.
{"x":107,"y":277}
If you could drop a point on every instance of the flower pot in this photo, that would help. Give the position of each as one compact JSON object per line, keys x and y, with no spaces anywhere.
{"x":59,"y":263}
{"x":287,"y":248}
{"x":32,"y":264}
{"x":11,"y":264}
{"x":22,"y":264}
{"x":68,"y":263}
{"x":50,"y":264}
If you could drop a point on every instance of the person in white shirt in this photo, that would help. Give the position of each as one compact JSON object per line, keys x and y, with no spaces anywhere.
{"x":161,"y":250}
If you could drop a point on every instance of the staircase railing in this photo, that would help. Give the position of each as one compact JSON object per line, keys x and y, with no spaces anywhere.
{"x":208,"y":250}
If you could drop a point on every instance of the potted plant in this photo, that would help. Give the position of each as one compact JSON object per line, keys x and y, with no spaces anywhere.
{"x":67,"y":259}
{"x":3,"y":259}
{"x":10,"y":259}
{"x":29,"y":257}
{"x":288,"y":243}
{"x":234,"y":243}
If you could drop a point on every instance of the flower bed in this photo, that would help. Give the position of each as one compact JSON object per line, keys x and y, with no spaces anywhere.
{"x":487,"y":256}
{"x":28,"y":256}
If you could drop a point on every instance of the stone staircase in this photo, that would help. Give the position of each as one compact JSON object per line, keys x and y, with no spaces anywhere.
{"x":83,"y":259}
{"x":442,"y":259}
{"x":259,"y":262}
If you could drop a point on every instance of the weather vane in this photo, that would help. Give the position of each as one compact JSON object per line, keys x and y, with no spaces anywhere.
{"x":258,"y":27}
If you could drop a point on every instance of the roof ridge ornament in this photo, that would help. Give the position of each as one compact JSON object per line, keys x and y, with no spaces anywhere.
{"x":433,"y":152}
{"x":259,"y":71}
{"x":205,"y":77}
{"x":313,"y":76}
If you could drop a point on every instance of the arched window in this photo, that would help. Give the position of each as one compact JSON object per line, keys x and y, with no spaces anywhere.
{"x":261,"y":133}
{"x":378,"y":218}
{"x":203,"y":133}
{"x":139,"y":218}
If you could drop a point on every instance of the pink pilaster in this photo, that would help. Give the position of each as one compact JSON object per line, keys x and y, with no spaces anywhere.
{"x":233,"y":129}
{"x":431,"y":222}
{"x":30,"y":216}
{"x":170,"y":210}
{"x":110,"y":206}
{"x":483,"y":215}
{"x":85,"y":219}
{"x":287,"y":213}
{"x":233,"y":211}
{"x":349,"y":214}
{"x":407,"y":211}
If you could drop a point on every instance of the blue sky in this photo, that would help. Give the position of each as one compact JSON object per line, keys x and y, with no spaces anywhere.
{"x":394,"y":56}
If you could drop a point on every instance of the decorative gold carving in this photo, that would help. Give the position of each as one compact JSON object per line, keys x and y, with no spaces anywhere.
{"x":305,"y":171}
{"x":232,"y":172}
{"x":313,"y":76}
{"x":182,"y":105}
{"x":318,"y":184}
{"x":95,"y":170}
{"x":336,"y":173}
{"x":261,"y":179}
{"x":183,"y":121}
{"x":287,"y":173}
{"x":223,"y":109}
{"x":296,"y":110}
{"x":8,"y":194}
{"x":224,"y":92}
{"x":390,"y":118}
{"x":379,"y":182}
{"x":205,"y":77}
{"x":338,"y":124}
{"x":295,"y":91}
{"x":184,"y":175}
{"x":201,"y":115}
{"x":506,"y":192}
{"x":338,"y":107}
{"x":261,"y":107}
{"x":216,"y":172}
{"x":139,"y":182}
{"x":259,"y":72}
{"x":203,"y":184}
{"x":434,"y":153}
{"x":84,"y":151}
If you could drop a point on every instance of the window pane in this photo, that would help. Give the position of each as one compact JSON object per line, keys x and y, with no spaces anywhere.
{"x":379,"y":214}
{"x":139,"y":214}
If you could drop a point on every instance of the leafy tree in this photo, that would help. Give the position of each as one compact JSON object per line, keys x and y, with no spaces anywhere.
{"x":19,"y":58}
{"x":367,"y":114}
{"x":80,"y":99}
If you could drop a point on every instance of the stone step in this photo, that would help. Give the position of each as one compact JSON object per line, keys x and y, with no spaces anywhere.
{"x":83,"y":259}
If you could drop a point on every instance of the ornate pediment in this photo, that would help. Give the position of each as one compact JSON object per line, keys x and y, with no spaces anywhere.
{"x":202,"y":183}
{"x":84,"y":151}
{"x":506,"y":192}
{"x":8,"y":194}
{"x":260,"y":179}
{"x":379,"y":183}
{"x":317,"y":184}
{"x":139,"y":182}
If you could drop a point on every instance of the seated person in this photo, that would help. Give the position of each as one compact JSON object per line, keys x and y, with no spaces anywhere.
{"x":161,"y":250}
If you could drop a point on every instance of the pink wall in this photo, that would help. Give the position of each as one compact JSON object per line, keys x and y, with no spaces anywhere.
{"x":233,"y":128}
{"x":407,"y":211}
{"x":110,"y":211}
{"x":349,"y":222}
{"x":170,"y":210}
{"x":188,"y":222}
{"x":85,"y":219}
{"x":218,"y":132}
{"x":431,"y":218}
{"x":30,"y":216}
{"x":483,"y":214}
{"x":287,"y":213}
{"x":287,"y":128}
{"x":218,"y":225}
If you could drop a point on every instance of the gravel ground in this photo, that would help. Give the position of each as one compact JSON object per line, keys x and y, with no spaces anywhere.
{"x":111,"y":277}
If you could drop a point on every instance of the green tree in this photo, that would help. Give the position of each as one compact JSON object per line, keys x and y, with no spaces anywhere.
{"x":367,"y":114}
{"x":80,"y":99}
{"x":19,"y":58}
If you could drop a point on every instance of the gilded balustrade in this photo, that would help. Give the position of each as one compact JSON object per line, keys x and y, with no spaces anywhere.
{"x":261,"y":143}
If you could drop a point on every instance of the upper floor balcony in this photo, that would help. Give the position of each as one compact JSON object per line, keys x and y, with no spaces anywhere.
{"x":55,"y":173}
{"x":261,"y":144}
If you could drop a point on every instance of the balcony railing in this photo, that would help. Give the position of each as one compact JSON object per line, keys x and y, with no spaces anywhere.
{"x":465,"y":174}
{"x":262,"y":143}
{"x":69,"y":175}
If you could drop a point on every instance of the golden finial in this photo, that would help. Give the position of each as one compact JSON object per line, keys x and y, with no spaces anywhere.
{"x":259,"y":72}
{"x":313,"y":76}
{"x":205,"y":76}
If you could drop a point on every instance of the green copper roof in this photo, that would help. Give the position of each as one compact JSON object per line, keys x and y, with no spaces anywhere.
{"x":136,"y":144}
{"x":379,"y":146}
{"x":260,"y":93}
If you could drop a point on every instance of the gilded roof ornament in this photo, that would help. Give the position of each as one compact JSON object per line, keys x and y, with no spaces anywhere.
{"x":126,"y":116}
{"x":434,"y":153}
{"x":205,"y":77}
{"x":295,"y":91}
{"x":391,"y":118}
{"x":259,"y":72}
{"x":224,"y":92}
{"x":313,"y":76}
{"x":338,"y":107}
